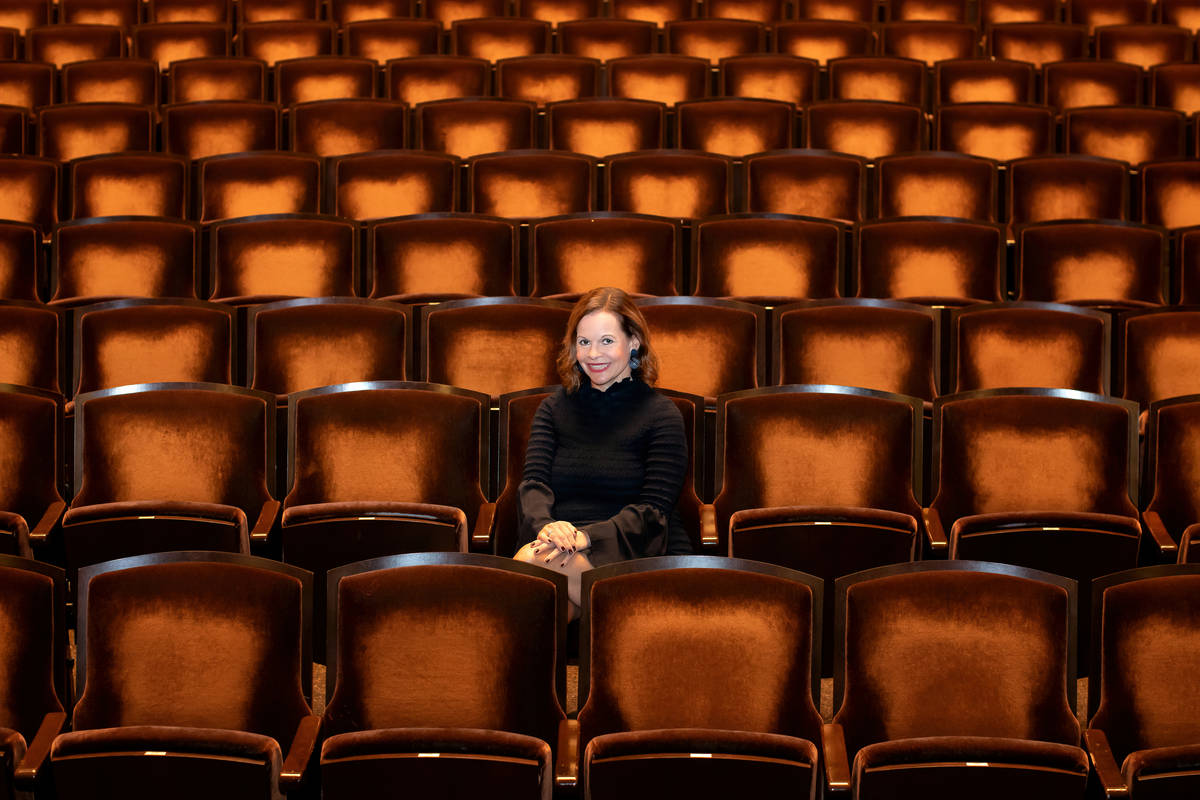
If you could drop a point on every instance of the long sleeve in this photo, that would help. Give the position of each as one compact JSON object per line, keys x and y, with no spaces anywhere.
{"x":534,"y":496}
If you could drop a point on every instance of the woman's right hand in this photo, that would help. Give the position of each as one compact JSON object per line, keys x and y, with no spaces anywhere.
{"x":560,"y":535}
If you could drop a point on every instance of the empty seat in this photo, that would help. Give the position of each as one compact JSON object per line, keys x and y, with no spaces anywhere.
{"x":30,"y":504}
{"x":1188,"y":266}
{"x":62,"y":44}
{"x":1184,"y":13}
{"x":1170,"y":516}
{"x":449,"y":11}
{"x":167,"y":42}
{"x":142,"y":184}
{"x":929,"y":42}
{"x":714,"y":39}
{"x":340,"y":127}
{"x":31,"y":338}
{"x":391,"y":183}
{"x":216,"y":79}
{"x":936,"y":184}
{"x":278,"y":41}
{"x":1038,"y":43}
{"x":813,"y":183}
{"x":26,"y":85}
{"x":1093,"y":13}
{"x":605,"y":39}
{"x":468,"y":128}
{"x":1029,"y":344}
{"x":822,"y":40}
{"x":604,"y":126}
{"x":736,"y":127}
{"x":300,"y":80}
{"x":546,"y":79}
{"x":385,"y":39}
{"x":1171,"y":193}
{"x":346,"y":11}
{"x":113,"y":257}
{"x":899,"y":80}
{"x":669,"y":183}
{"x":13,"y":124}
{"x":867,"y":128}
{"x":20,"y":261}
{"x":1045,"y":188}
{"x":272,"y":10}
{"x":111,"y":80}
{"x":419,"y":79}
{"x":658,"y":12}
{"x":558,"y":11}
{"x":983,"y":80}
{"x":1073,"y":84}
{"x":531,"y":183}
{"x":1000,"y":131}
{"x":75,"y":130}
{"x":665,"y":79}
{"x":1176,"y":86}
{"x":992,"y":12}
{"x":769,"y":76}
{"x":768,"y":258}
{"x":1144,"y":45}
{"x":21,"y":15}
{"x":928,"y":10}
{"x":575,"y":253}
{"x":276,"y":256}
{"x":1130,"y":134}
{"x":932,"y":261}
{"x":848,"y":10}
{"x":189,"y":10}
{"x":1158,"y":347}
{"x":435,"y":257}
{"x":503,"y":37}
{"x":246,"y":184}
{"x":29,"y":191}
{"x":1107,"y":264}
{"x":215,"y":127}
{"x":9,"y":43}
{"x":764,"y":11}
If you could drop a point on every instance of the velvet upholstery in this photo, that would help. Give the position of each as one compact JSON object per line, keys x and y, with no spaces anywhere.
{"x":64,"y":43}
{"x":606,"y":39}
{"x":929,"y":41}
{"x":129,"y":341}
{"x":888,"y":346}
{"x":30,"y":425}
{"x":1093,"y":13}
{"x":574,"y":253}
{"x":1038,"y":42}
{"x":13,"y":124}
{"x":20,"y":261}
{"x":936,"y":185}
{"x":189,"y":10}
{"x":657,"y":11}
{"x":1180,"y":12}
{"x":714,"y":39}
{"x":198,"y":130}
{"x":281,"y":40}
{"x":22,"y":15}
{"x":246,"y":184}
{"x":344,"y":11}
{"x":532,"y":183}
{"x":460,"y":341}
{"x":1075,"y":84}
{"x":814,"y":183}
{"x":199,"y":79}
{"x":10,"y":42}
{"x":471,"y":127}
{"x":1007,"y":344}
{"x":26,"y":85}
{"x":143,"y":184}
{"x":339,"y":127}
{"x":1188,"y":265}
{"x":421,"y":78}
{"x":1174,"y":86}
{"x":930,"y":260}
{"x":771,"y":76}
{"x":867,"y":128}
{"x":448,"y":11}
{"x":165,"y":42}
{"x":983,"y":80}
{"x":556,"y":11}
{"x":765,"y":11}
{"x":1174,"y":506}
{"x":944,"y":670}
{"x":899,"y":80}
{"x":1130,"y":134}
{"x":29,"y":345}
{"x":1091,"y":263}
{"x":499,"y":37}
{"x":301,"y":344}
{"x":1000,"y":131}
{"x":1160,"y":348}
{"x":1043,"y":188}
{"x":924,"y":10}
{"x":384,"y":39}
{"x":122,"y":13}
{"x":666,"y":79}
{"x":109,"y":257}
{"x":606,"y":125}
{"x":75,"y":130}
{"x":669,"y":183}
{"x":546,"y":79}
{"x":850,"y":10}
{"x":110,"y":80}
{"x":1171,"y":193}
{"x":301,"y":80}
{"x":441,"y":257}
{"x":277,"y":10}
{"x":735,"y":127}
{"x":381,"y":184}
{"x":767,"y":258}
{"x":29,"y":191}
{"x":257,"y":259}
{"x":822,"y":40}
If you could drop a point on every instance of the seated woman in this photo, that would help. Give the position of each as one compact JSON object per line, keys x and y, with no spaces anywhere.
{"x":607,"y":454}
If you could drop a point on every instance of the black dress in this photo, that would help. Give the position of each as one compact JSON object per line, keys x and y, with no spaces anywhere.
{"x":610,"y":463}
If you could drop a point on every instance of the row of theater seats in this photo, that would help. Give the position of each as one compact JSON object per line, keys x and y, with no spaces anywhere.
{"x":699,"y":674}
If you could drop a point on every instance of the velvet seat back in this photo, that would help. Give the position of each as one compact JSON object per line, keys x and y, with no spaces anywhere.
{"x":700,"y":648}
{"x":31,"y":189}
{"x":343,"y":11}
{"x":64,"y":43}
{"x":713,"y":39}
{"x":666,"y":79}
{"x":118,"y":346}
{"x":493,"y":347}
{"x":1067,"y":187}
{"x":111,"y":80}
{"x":422,"y":78}
{"x":377,"y":185}
{"x":1037,"y":41}
{"x":193,"y":644}
{"x":279,"y":40}
{"x":546,"y":79}
{"x":764,"y":11}
{"x":889,"y":348}
{"x":214,"y":78}
{"x":937,"y":185}
{"x":674,"y":184}
{"x":1131,"y":134}
{"x":1000,"y":131}
{"x":324,"y":78}
{"x":401,"y":445}
{"x":768,"y":257}
{"x":384,"y":39}
{"x":166,"y":42}
{"x":825,"y":39}
{"x":815,"y":184}
{"x":244,"y":185}
{"x":124,"y":257}
{"x":338,"y":127}
{"x":272,"y":257}
{"x":1171,"y":193}
{"x":1091,"y":263}
{"x":145,"y":184}
{"x":707,"y":348}
{"x":27,"y":650}
{"x":1005,"y":453}
{"x":29,"y":352}
{"x":657,"y":11}
{"x":606,"y":125}
{"x":300,"y":346}
{"x":495,"y":39}
{"x":791,"y":448}
{"x":867,"y":128}
{"x":1076,"y":84}
{"x":897,"y":80}
{"x":468,"y":128}
{"x":186,"y":444}
{"x":573,"y":254}
{"x":445,"y":646}
{"x":607,"y":39}
{"x":516,"y":421}
{"x":976,"y":80}
{"x":1175,"y":435}
{"x":770,"y":75}
{"x":441,"y":257}
{"x":20,"y":261}
{"x":29,"y":459}
{"x":929,"y":40}
{"x":955,"y":653}
{"x":1150,"y":641}
{"x":736,"y":127}
{"x":533,"y":184}
{"x":199,"y":130}
{"x":930,"y":260}
{"x":1160,"y":351}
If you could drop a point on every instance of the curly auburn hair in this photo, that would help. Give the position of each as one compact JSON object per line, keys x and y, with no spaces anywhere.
{"x":618,"y":302}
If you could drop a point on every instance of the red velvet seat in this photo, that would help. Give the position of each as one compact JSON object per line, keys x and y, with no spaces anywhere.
{"x":494,"y":38}
{"x":936,"y":184}
{"x":531,"y":183}
{"x":300,"y":80}
{"x":931,"y":260}
{"x":277,"y":10}
{"x":421,"y":78}
{"x":559,"y":11}
{"x":167,"y":42}
{"x":892,"y":78}
{"x":822,"y":40}
{"x":930,"y":42}
{"x":1158,"y":348}
{"x":246,"y":184}
{"x":468,"y":128}
{"x":1043,"y":188}
{"x":767,"y":258}
{"x":1171,"y":193}
{"x":769,"y":76}
{"x":754,"y":719}
{"x":606,"y":39}
{"x":278,"y":41}
{"x":340,"y":127}
{"x":665,"y":79}
{"x":390,"y":183}
{"x":198,"y":79}
{"x":714,"y":39}
{"x":605,"y":126}
{"x":867,"y":128}
{"x":574,"y":253}
{"x":764,"y":11}
{"x":26,"y":85}
{"x":1079,"y":83}
{"x":434,"y":257}
{"x":983,"y":80}
{"x":1145,"y":45}
{"x":963,"y":740}
{"x":448,"y":12}
{"x":1173,"y":512}
{"x":1093,"y":13}
{"x":31,"y":337}
{"x":546,"y":79}
{"x":1184,"y":13}
{"x":928,"y":10}
{"x":1176,"y":86}
{"x":115,"y":184}
{"x":736,"y":127}
{"x":215,"y":127}
{"x":29,"y":191}
{"x":30,"y":504}
{"x":189,"y":10}
{"x":814,"y":183}
{"x":21,"y":15}
{"x":410,"y":619}
{"x":241,"y":730}
{"x":63,"y":43}
{"x":75,"y":130}
{"x":1000,"y":131}
{"x":1039,"y":42}
{"x":669,"y":183}
{"x":20,"y":261}
{"x":848,"y":10}
{"x":385,"y":39}
{"x":275,"y":256}
{"x":658,"y":12}
{"x":346,"y":11}
{"x":1131,"y":134}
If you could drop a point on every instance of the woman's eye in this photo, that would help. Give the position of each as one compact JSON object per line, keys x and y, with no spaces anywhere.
{"x":606,"y":342}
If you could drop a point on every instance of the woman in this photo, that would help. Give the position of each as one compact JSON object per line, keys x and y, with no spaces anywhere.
{"x":607,"y":454}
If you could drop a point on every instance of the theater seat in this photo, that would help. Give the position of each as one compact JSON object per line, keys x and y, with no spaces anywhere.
{"x":31,"y":506}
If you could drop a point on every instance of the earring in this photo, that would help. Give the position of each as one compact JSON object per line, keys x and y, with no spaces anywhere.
{"x":634,"y":360}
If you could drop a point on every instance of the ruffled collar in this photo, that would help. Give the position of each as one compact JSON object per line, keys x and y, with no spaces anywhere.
{"x":619,"y":395}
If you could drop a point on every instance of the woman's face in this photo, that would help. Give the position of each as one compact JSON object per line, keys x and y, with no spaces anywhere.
{"x":602,"y":349}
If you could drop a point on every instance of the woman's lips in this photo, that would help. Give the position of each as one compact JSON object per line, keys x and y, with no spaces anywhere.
{"x":597,"y":367}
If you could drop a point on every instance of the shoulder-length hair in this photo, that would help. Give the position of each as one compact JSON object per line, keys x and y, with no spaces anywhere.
{"x":618,"y":302}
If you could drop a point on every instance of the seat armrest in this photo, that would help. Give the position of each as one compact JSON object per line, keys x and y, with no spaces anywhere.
{"x":1167,"y":547}
{"x":934,"y":531}
{"x":46,"y":524}
{"x":266,"y":521}
{"x":1106,"y":767}
{"x":25,"y":776}
{"x":708,"y":526}
{"x":485,"y":522}
{"x":300,"y":752}
{"x":566,"y":758}
{"x":837,"y":763}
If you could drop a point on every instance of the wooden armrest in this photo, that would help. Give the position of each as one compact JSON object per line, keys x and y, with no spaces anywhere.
{"x":934,"y":531}
{"x":299,"y":754}
{"x":708,"y":526}
{"x":25,"y":776}
{"x":1106,"y":766}
{"x":485,"y":521}
{"x":837,"y":763}
{"x":46,"y":524}
{"x":566,"y":764}
{"x":266,"y":521}
{"x":1167,"y":546}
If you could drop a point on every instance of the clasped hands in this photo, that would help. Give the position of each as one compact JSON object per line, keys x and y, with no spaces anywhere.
{"x":559,"y":540}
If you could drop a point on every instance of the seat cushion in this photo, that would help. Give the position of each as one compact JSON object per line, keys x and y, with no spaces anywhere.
{"x":198,"y":741}
{"x":472,"y":741}
{"x":1158,"y":762}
